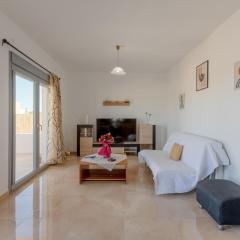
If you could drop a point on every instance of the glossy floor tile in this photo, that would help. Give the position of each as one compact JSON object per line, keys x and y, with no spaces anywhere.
{"x":53,"y":206}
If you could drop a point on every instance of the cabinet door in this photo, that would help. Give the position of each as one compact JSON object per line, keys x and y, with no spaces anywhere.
{"x":86,"y":145}
{"x":145,"y":134}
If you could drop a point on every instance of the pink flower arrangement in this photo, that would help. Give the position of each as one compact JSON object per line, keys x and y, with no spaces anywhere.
{"x":106,"y":138}
{"x":105,"y":150}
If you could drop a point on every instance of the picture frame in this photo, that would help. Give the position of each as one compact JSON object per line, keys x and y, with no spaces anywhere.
{"x":181,"y":101}
{"x":202,"y":76}
{"x":237,"y":76}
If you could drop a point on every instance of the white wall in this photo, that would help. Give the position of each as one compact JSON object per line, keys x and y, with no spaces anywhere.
{"x":83,"y":93}
{"x":13,"y":33}
{"x":213,"y":112}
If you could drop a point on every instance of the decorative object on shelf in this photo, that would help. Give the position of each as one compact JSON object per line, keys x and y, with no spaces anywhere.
{"x":110,"y":103}
{"x":118,"y":70}
{"x":182,"y":101}
{"x":202,"y":76}
{"x":106,"y":140}
{"x":148,"y":116}
{"x":237,"y":75}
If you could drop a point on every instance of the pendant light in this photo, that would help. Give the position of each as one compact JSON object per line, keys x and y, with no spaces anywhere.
{"x":118,"y":70}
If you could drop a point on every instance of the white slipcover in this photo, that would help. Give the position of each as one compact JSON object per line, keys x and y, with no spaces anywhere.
{"x":200,"y":157}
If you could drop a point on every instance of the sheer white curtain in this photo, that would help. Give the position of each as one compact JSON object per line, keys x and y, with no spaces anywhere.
{"x":56,"y":153}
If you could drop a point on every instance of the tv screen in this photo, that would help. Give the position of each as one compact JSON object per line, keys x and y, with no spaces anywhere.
{"x":123,"y":130}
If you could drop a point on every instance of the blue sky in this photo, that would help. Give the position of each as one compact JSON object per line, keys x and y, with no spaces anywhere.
{"x":24,"y":93}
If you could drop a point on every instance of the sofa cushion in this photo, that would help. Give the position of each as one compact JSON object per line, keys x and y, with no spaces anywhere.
{"x":176,"y":152}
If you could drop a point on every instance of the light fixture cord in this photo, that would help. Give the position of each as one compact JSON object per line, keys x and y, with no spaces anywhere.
{"x":118,"y":57}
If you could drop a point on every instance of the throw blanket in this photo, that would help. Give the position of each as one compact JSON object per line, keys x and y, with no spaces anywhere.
{"x":200,"y":157}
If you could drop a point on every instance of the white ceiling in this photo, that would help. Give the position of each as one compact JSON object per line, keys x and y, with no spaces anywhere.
{"x":81,"y":34}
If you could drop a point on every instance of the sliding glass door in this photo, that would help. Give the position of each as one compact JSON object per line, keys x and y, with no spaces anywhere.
{"x":29,"y":122}
{"x":24,"y":126}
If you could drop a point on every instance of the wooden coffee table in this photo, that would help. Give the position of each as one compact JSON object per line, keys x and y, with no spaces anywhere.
{"x":94,"y":172}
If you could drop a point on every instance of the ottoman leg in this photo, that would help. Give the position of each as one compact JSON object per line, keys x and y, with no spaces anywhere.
{"x":221,"y":227}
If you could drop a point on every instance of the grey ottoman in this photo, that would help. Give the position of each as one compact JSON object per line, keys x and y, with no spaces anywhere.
{"x":221,"y":199}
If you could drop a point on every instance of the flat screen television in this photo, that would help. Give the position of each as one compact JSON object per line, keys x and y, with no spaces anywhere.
{"x":122,"y":129}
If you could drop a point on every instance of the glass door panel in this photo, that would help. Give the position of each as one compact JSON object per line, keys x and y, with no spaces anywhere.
{"x":43,"y":123}
{"x":24,"y":127}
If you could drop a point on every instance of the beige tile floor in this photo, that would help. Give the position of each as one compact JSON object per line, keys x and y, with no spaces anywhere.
{"x":54,"y":206}
{"x":24,"y":164}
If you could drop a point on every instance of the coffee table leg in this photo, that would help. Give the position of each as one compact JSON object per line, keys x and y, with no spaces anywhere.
{"x":126,"y":175}
{"x":80,"y":174}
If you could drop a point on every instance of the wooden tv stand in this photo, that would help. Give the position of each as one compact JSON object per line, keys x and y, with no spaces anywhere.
{"x":86,"y":145}
{"x":120,"y":145}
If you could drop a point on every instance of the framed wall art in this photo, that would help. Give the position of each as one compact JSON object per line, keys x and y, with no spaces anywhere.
{"x":237,"y":75}
{"x":202,"y":76}
{"x":181,"y":101}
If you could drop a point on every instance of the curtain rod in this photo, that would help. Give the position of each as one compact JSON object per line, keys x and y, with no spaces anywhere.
{"x":5,"y":41}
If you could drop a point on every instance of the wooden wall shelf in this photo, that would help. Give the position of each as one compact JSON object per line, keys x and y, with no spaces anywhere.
{"x":110,"y":103}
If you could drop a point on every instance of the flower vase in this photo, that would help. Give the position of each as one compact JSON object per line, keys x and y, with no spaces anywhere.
{"x":105,"y":150}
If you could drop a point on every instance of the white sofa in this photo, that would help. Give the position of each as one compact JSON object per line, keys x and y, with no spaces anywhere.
{"x":200,"y":158}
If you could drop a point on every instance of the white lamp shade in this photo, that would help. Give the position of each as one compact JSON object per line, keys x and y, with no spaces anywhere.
{"x":118,"y":71}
